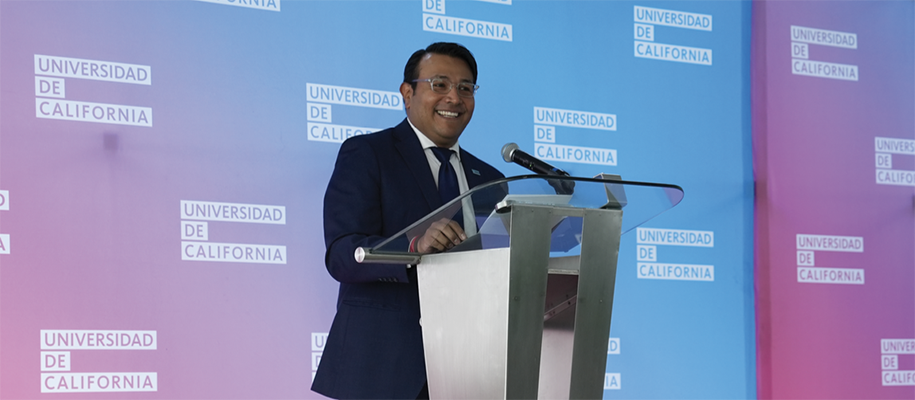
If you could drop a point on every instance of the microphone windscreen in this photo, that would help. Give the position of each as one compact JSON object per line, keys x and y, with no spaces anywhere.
{"x":507,"y":151}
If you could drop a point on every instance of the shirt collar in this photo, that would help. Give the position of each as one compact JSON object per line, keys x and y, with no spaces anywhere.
{"x":428,"y":143}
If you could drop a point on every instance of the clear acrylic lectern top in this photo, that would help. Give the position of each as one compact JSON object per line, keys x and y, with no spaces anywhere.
{"x":483,"y":212}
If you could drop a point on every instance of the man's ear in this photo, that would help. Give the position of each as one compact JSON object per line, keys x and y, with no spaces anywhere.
{"x":406,"y":91}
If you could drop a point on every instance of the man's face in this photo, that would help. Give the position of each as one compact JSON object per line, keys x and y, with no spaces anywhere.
{"x":441,"y":117}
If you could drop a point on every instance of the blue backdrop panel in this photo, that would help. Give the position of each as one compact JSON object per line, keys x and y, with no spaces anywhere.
{"x":247,"y":103}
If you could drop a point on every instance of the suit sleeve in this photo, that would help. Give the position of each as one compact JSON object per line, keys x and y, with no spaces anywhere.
{"x":353,"y":217}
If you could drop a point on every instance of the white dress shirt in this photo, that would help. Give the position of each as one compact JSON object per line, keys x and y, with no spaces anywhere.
{"x":470,"y":226}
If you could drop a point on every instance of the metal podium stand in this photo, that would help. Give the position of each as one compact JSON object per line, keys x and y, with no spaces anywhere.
{"x":522,"y":309}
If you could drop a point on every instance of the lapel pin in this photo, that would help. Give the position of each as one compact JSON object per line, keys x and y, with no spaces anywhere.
{"x":475,"y":172}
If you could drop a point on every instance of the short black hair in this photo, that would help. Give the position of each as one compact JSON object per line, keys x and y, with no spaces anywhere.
{"x":456,"y":50}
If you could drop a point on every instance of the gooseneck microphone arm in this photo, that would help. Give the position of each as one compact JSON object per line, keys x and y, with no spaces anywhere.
{"x":511,"y":153}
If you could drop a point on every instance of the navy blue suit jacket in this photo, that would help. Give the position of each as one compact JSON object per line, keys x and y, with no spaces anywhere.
{"x":381,"y":184}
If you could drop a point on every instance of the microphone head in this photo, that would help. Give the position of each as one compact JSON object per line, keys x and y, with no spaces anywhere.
{"x":507,"y":151}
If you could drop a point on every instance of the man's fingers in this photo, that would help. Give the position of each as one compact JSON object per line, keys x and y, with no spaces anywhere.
{"x":457,"y":231}
{"x":442,"y":235}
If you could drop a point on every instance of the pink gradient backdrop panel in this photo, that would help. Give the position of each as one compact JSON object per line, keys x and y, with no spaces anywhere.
{"x":833,"y":87}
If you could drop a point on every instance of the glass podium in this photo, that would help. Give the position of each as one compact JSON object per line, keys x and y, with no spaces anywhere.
{"x":490,"y":202}
{"x":521,"y":309}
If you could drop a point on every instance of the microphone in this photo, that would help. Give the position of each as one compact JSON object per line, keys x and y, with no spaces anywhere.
{"x":511,"y":153}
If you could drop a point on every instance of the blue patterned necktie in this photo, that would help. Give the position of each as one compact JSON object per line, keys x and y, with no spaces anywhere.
{"x":447,"y":178}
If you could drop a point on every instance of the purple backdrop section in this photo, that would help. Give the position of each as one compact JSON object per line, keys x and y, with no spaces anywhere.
{"x":824,"y":313}
{"x":95,"y":214}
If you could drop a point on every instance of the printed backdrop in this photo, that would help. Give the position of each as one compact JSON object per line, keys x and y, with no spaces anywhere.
{"x":834,"y":134}
{"x":163,"y":164}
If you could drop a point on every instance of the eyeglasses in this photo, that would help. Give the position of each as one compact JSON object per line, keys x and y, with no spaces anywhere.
{"x":444,"y":86}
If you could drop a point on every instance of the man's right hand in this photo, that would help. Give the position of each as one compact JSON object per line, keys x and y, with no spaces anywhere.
{"x":442,"y":235}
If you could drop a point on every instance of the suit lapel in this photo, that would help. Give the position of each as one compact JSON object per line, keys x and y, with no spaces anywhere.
{"x":413,"y":155}
{"x":472,"y":171}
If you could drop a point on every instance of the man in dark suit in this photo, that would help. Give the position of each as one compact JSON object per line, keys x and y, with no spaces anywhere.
{"x":383,"y":182}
